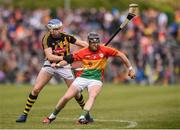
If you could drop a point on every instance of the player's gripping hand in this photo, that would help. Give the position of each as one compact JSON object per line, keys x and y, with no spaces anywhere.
{"x":132,"y":74}
{"x":53,"y":65}
{"x":60,"y":64}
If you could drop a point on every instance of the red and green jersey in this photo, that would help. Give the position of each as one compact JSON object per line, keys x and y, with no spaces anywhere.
{"x":94,"y":62}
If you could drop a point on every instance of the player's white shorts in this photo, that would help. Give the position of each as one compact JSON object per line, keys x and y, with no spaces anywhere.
{"x":82,"y":83}
{"x":65,"y":73}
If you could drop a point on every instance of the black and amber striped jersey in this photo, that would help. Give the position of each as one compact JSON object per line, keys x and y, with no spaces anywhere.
{"x":60,"y":46}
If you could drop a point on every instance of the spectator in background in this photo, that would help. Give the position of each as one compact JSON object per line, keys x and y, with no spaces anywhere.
{"x":20,"y":30}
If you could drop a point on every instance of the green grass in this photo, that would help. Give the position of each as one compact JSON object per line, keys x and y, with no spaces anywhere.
{"x":148,"y":106}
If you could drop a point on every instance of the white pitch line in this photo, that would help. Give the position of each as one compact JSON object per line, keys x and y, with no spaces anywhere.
{"x":131,"y":124}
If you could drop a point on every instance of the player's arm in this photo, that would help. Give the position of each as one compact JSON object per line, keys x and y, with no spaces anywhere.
{"x":46,"y":43}
{"x":50,"y":56}
{"x":114,"y":52}
{"x":127,"y":63}
{"x":69,"y":59}
{"x":77,"y":41}
{"x":59,"y":64}
{"x":81,"y":43}
{"x":124,"y":59}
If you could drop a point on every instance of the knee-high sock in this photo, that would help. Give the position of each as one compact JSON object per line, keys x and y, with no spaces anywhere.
{"x":81,"y":101}
{"x":30,"y":101}
{"x":54,"y":114}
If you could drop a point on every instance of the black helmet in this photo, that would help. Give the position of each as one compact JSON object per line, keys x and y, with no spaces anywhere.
{"x":93,"y":37}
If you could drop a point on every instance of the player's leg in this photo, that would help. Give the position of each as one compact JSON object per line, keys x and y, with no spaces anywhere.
{"x":42,"y":79}
{"x":93,"y":91}
{"x":71,"y":92}
{"x":69,"y":78}
{"x":79,"y":97}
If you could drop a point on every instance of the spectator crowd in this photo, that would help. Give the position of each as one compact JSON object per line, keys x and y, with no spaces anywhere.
{"x":151,"y":42}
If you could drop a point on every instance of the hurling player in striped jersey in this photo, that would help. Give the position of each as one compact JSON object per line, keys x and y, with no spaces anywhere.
{"x":94,"y":59}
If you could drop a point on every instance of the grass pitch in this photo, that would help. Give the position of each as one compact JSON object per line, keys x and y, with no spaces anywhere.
{"x":118,"y":106}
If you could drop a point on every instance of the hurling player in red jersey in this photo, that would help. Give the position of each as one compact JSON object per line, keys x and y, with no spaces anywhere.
{"x":94,"y":60}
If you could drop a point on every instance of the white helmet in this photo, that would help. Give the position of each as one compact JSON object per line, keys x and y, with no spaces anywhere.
{"x":54,"y":23}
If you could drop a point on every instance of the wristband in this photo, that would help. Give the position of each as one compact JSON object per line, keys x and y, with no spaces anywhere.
{"x":58,"y":65}
{"x":130,"y":68}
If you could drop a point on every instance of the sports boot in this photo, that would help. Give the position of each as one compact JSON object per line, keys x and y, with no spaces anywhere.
{"x":22,"y":118}
{"x":47,"y":120}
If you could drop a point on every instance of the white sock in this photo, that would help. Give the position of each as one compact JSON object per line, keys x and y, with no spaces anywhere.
{"x":52,"y":116}
{"x":81,"y":117}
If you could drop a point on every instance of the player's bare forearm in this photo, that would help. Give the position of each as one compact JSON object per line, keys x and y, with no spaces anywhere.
{"x":131,"y":72}
{"x":81,"y":43}
{"x":51,"y":57}
{"x":124,"y":59}
{"x":54,"y":58}
{"x":59,"y":64}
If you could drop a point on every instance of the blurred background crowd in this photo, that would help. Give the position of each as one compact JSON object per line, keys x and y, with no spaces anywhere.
{"x":151,"y":43}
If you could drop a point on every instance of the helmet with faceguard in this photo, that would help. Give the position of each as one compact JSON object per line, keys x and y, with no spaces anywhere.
{"x":93,"y":37}
{"x":54,"y":24}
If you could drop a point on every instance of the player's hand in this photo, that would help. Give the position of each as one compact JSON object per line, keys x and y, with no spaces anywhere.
{"x":53,"y":65}
{"x":132,"y":74}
